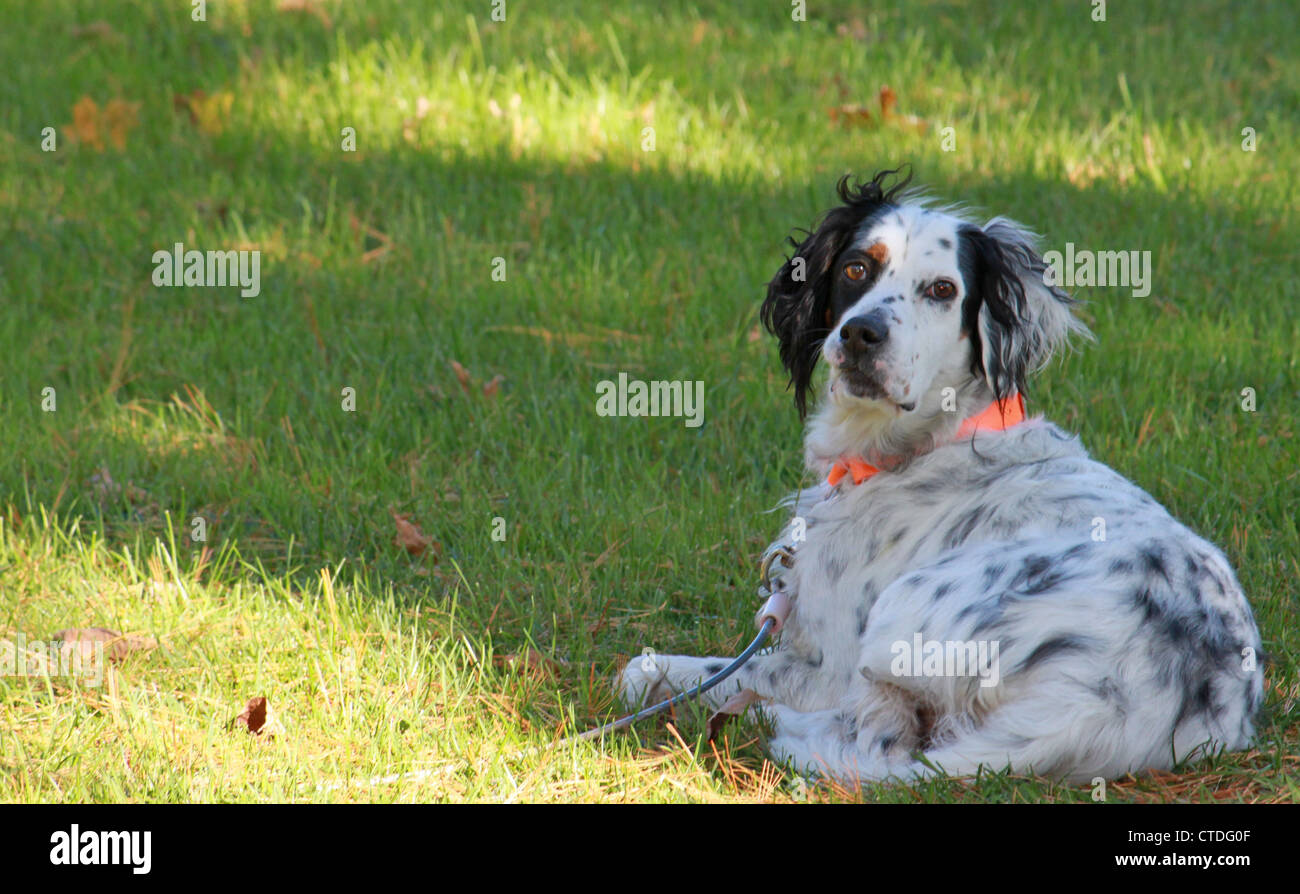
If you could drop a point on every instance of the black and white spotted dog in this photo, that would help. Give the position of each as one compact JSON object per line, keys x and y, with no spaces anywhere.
{"x":969,"y":590}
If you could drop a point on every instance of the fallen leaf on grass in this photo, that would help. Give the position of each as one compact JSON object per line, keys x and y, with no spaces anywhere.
{"x":888,"y":101}
{"x":85,"y":123}
{"x":374,"y":244}
{"x":849,"y":114}
{"x":489,"y":389}
{"x":384,"y":247}
{"x":258,"y":719}
{"x":116,"y":645}
{"x":253,"y":717}
{"x":733,"y":707}
{"x":309,"y":7}
{"x":462,"y":375}
{"x":531,"y":661}
{"x":858,"y":114}
{"x":410,"y":537}
{"x":888,"y":105}
{"x":207,"y":113}
{"x":89,"y":122}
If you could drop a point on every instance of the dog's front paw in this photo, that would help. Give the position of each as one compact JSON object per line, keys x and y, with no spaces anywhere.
{"x":643,"y":681}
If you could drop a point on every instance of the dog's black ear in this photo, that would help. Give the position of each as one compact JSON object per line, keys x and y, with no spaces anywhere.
{"x":797,"y":309}
{"x":1014,"y":318}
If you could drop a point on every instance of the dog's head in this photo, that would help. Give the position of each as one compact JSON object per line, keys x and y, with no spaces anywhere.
{"x":904,"y":300}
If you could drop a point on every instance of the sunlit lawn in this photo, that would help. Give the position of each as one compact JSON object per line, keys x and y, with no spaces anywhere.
{"x":635,"y":170}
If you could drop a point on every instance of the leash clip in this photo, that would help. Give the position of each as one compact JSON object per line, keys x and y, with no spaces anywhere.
{"x":785,"y":554}
{"x":777,"y":606}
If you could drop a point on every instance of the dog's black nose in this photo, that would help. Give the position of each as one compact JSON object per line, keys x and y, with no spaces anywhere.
{"x":861,"y":334}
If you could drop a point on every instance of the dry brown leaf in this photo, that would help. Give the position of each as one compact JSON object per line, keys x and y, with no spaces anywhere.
{"x":309,"y":7}
{"x":888,"y":104}
{"x":733,"y":707}
{"x":85,"y":123}
{"x":531,"y":662}
{"x":258,"y":719}
{"x":462,"y":376}
{"x":376,"y":253}
{"x":181,"y":103}
{"x":207,"y":113}
{"x":850,"y":114}
{"x":384,"y":247}
{"x":888,"y":101}
{"x":410,"y":537}
{"x":116,"y":645}
{"x":488,"y":389}
{"x":367,"y":235}
{"x":857,"y":114}
{"x":253,"y":717}
{"x":120,"y":117}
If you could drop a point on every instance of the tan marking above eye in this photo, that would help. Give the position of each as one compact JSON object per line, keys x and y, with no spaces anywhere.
{"x":878,"y":253}
{"x":855,"y":271}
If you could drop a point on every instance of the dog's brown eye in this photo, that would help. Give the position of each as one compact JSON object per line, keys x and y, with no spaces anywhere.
{"x":941,"y":289}
{"x":855,"y":271}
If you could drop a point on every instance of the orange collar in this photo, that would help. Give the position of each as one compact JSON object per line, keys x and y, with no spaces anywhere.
{"x":997,"y":416}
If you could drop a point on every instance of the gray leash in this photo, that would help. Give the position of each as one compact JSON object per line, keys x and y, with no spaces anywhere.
{"x":771,"y":618}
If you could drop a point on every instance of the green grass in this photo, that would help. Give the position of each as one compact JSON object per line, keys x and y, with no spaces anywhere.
{"x":523,"y":140}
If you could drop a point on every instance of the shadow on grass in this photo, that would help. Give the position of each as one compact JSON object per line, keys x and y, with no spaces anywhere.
{"x":202,"y":403}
